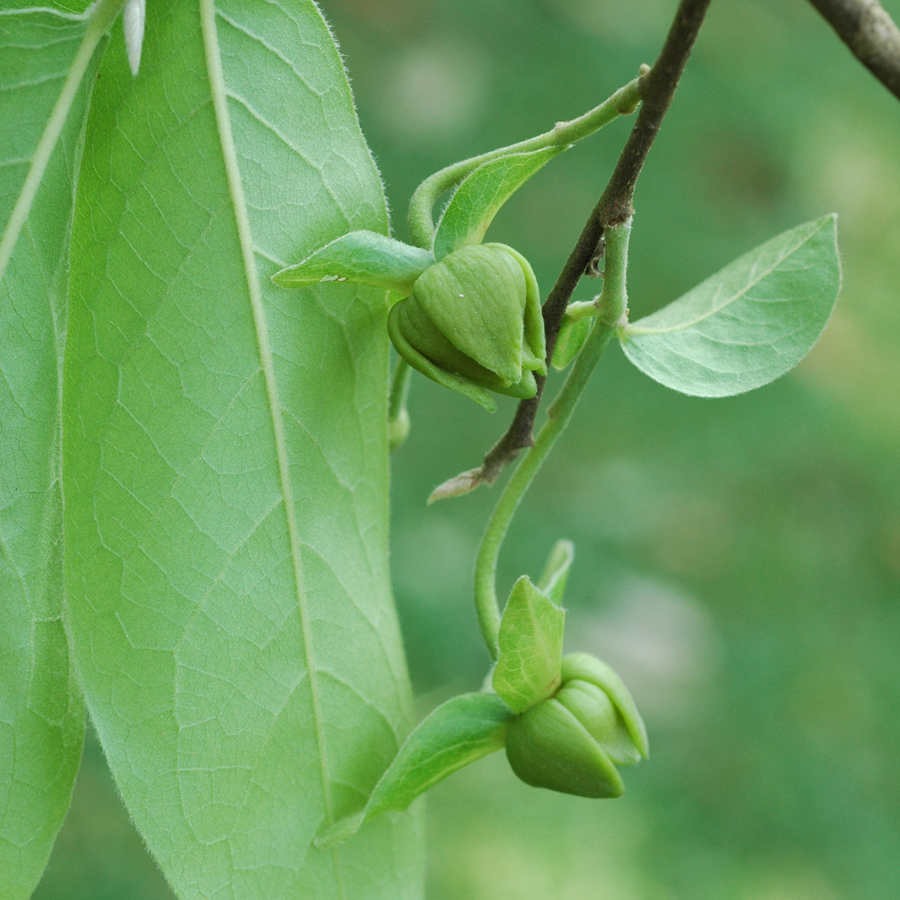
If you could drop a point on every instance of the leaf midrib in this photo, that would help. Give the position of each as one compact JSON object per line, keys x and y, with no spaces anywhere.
{"x":683,"y":326}
{"x":219,"y":96}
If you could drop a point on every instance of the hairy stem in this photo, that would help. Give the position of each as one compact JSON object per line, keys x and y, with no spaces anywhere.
{"x":612,"y":298}
{"x":873,"y":37}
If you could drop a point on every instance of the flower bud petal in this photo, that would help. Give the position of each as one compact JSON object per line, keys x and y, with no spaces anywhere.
{"x":473,"y":321}
{"x":592,"y":707}
{"x":455,"y":382}
{"x":584,"y":667}
{"x":422,"y":334}
{"x":475,"y":297}
{"x":548,"y":747}
{"x":534,"y":349}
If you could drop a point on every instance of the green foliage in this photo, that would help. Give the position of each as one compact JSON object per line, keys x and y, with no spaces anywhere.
{"x":738,"y":560}
{"x":479,"y":197}
{"x":41,"y":713}
{"x":459,"y":732}
{"x":531,"y":642}
{"x":472,"y":324}
{"x":226,"y":515}
{"x":361,"y":257}
{"x":471,"y":321}
{"x":226,"y":500}
{"x":748,"y":324}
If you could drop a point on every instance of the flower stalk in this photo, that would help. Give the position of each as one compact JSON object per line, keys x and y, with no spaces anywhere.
{"x":613,"y":299}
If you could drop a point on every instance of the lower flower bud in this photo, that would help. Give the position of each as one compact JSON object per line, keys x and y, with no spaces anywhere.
{"x":549,"y":747}
{"x":573,"y":742}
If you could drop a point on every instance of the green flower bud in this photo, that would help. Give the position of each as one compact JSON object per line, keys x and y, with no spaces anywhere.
{"x":475,"y":315}
{"x":573,"y":742}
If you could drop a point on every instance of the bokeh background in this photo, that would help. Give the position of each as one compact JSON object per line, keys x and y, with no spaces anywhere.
{"x":738,"y":560}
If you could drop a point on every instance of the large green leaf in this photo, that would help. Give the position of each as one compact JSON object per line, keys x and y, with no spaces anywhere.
{"x":226,"y":449}
{"x":748,"y":324}
{"x":46,"y":68}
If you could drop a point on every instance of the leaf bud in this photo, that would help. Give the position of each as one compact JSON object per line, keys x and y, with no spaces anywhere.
{"x":474,"y":315}
{"x":573,"y":741}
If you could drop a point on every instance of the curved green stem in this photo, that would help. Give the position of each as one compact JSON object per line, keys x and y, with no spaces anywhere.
{"x":421,"y":225}
{"x":612,"y":298}
{"x":398,"y":417}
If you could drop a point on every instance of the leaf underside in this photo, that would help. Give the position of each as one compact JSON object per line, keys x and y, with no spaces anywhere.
{"x":748,"y":324}
{"x":226,"y":462}
{"x":41,"y":712}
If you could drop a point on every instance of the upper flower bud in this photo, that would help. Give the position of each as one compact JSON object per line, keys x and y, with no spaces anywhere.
{"x":475,"y":314}
{"x":573,"y":741}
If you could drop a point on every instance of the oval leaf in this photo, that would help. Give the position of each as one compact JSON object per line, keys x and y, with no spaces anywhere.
{"x":459,"y":732}
{"x":748,"y":324}
{"x":47,"y":62}
{"x":226,"y":458}
{"x":361,"y":257}
{"x":478,"y":199}
{"x":531,"y":640}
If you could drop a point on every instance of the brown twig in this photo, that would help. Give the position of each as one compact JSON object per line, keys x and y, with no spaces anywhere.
{"x":657,"y":89}
{"x":871,"y":34}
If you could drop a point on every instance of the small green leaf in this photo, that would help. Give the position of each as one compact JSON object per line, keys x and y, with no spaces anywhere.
{"x":477,"y":200}
{"x":531,"y":639}
{"x":748,"y":324}
{"x":570,"y":340}
{"x":459,"y":732}
{"x":361,"y":257}
{"x":556,"y":573}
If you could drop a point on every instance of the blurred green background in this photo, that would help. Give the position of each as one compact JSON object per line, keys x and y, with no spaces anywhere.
{"x":738,"y":561}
